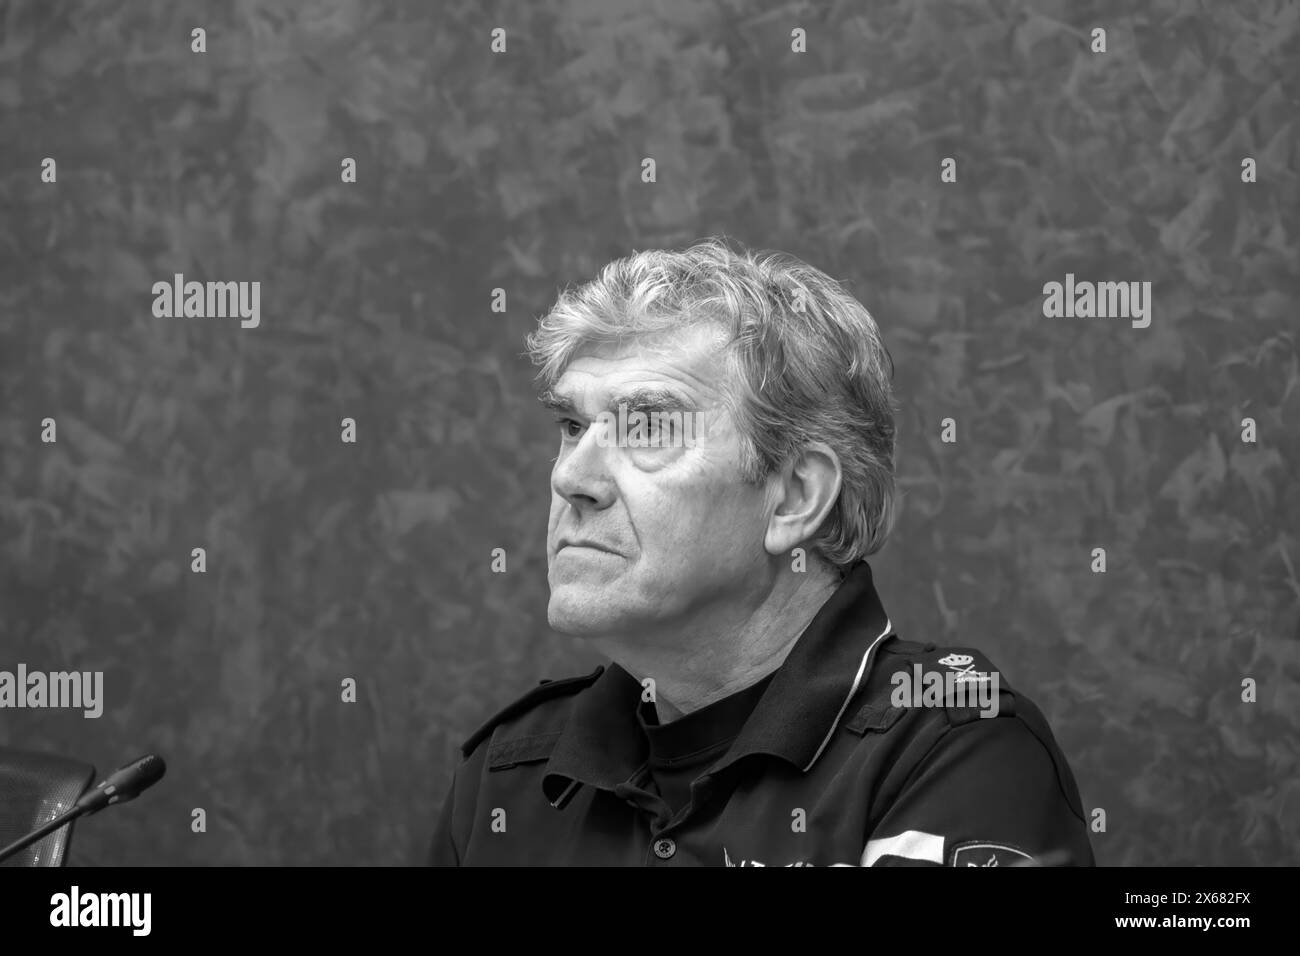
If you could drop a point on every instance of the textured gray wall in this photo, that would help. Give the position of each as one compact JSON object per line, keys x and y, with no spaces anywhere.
{"x":521,"y":171}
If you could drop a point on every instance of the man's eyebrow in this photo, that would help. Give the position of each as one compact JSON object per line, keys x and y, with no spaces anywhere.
{"x":652,"y":399}
{"x":554,"y":401}
{"x":641,"y":399}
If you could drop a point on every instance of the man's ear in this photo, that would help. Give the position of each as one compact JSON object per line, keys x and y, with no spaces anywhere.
{"x":804,"y":490}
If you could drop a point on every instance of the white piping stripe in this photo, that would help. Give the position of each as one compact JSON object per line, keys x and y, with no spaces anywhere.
{"x":560,"y":801}
{"x":910,"y":845}
{"x":857,"y":679}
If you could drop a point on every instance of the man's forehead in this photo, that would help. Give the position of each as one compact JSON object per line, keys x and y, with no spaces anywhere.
{"x":686,"y":363}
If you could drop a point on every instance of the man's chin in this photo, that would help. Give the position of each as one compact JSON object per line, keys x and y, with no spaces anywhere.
{"x":582,"y":612}
{"x":577,"y":621}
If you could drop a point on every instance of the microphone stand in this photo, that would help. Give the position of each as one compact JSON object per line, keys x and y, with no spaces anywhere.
{"x":43,"y":831}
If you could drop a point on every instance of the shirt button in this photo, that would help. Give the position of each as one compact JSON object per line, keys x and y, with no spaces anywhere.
{"x":665,"y":848}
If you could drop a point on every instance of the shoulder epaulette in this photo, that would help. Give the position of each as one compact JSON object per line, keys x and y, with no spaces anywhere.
{"x":545,"y":690}
{"x":950,"y":665}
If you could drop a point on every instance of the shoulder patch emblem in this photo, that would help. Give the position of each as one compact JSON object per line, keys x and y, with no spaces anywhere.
{"x":963,"y":666}
{"x":988,"y":854}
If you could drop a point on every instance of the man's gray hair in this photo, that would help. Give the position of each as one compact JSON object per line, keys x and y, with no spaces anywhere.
{"x":805,"y":358}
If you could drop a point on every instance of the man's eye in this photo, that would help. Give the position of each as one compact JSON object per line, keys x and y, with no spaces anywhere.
{"x":569,"y":428}
{"x":662,"y":429}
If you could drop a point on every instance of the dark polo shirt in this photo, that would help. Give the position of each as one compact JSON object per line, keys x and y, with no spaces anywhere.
{"x":682,"y":750}
{"x":820,"y":764}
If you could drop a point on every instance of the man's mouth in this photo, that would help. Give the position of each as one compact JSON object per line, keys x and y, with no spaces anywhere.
{"x":584,"y":545}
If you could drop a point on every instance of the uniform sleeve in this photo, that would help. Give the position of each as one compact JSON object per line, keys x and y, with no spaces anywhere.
{"x":989,"y":792}
{"x":442,"y":849}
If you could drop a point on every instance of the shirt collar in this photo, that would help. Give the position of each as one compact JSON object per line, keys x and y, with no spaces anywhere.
{"x":700,"y":731}
{"x":603,"y":744}
{"x":797,"y":716}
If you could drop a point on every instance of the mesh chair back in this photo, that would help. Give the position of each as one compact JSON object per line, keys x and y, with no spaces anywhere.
{"x":34,"y":789}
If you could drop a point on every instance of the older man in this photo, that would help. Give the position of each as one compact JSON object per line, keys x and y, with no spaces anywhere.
{"x":758,"y":708}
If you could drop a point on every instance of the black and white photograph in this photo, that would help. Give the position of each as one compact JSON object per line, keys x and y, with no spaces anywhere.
{"x":589,"y":434}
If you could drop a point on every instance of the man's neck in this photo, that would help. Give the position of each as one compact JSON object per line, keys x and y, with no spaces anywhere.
{"x":693,"y":667}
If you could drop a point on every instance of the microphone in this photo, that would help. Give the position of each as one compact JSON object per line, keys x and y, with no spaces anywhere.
{"x":123,"y":784}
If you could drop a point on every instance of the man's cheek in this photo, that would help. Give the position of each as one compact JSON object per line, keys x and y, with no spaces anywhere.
{"x":553,"y":518}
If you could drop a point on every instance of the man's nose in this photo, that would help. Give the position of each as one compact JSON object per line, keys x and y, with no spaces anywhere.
{"x":581,"y":475}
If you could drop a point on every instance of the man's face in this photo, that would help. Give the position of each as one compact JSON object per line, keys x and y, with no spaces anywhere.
{"x":642,"y":538}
